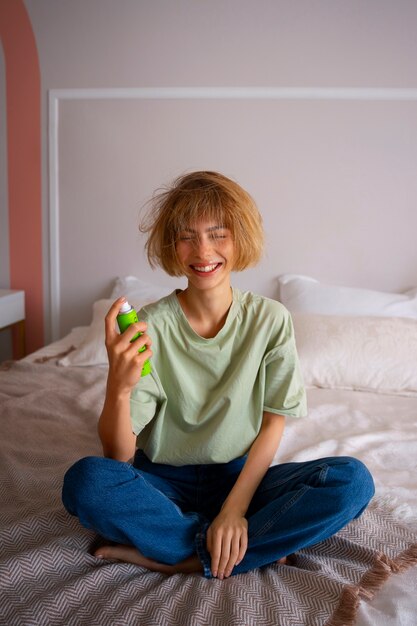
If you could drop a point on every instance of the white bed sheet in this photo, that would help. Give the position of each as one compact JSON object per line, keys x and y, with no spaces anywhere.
{"x":379,"y":429}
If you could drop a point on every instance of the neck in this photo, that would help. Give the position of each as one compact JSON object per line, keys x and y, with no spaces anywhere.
{"x":206,"y":310}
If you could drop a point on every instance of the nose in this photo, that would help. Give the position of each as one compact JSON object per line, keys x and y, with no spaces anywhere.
{"x":204,"y":246}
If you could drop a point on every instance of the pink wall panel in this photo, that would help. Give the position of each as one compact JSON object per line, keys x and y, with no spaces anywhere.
{"x":24,"y":162}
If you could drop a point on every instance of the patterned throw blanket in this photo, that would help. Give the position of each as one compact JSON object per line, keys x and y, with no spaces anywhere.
{"x":48,"y":576}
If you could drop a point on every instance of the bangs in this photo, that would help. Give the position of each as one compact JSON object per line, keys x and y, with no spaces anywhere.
{"x":206,"y":204}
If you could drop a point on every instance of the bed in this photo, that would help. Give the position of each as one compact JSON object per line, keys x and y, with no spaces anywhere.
{"x":358,"y":354}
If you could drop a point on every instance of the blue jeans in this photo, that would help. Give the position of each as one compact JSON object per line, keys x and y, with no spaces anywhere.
{"x":164,"y":511}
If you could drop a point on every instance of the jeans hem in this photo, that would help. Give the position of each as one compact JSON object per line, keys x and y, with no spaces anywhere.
{"x":202,"y":552}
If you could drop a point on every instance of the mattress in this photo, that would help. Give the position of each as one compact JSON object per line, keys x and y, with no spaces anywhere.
{"x":49,"y":415}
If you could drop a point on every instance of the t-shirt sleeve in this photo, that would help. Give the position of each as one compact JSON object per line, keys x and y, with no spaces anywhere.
{"x":284,"y":387}
{"x":145,"y":401}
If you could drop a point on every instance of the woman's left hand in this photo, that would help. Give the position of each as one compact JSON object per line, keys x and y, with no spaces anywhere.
{"x":227,"y":542}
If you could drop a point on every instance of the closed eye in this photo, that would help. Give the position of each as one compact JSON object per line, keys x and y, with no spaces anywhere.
{"x":214,"y":235}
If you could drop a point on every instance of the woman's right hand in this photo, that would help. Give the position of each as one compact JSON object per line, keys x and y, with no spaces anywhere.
{"x":125,"y":362}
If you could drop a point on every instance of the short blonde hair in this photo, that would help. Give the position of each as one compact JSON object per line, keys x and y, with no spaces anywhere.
{"x":208,"y":196}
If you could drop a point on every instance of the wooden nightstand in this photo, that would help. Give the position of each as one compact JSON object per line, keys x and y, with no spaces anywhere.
{"x":12,"y":315}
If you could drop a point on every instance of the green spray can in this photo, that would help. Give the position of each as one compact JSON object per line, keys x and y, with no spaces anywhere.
{"x":128,"y":316}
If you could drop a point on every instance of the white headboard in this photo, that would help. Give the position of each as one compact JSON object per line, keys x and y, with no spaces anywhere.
{"x":333,"y":173}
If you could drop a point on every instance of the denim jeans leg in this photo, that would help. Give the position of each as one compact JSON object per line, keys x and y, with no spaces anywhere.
{"x":300,"y":504}
{"x":116,"y":500}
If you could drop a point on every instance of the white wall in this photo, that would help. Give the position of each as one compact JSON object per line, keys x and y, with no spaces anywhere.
{"x":335,"y":180}
{"x":102,"y":43}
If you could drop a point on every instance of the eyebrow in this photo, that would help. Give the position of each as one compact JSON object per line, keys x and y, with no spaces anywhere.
{"x":210,"y":229}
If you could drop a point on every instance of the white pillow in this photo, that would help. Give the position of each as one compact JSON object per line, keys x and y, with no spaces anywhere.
{"x":362,"y":353}
{"x":307,"y":295}
{"x":132,"y":287}
{"x":92,"y":350}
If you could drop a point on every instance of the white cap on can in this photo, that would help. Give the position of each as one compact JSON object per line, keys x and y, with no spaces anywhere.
{"x":125,"y":307}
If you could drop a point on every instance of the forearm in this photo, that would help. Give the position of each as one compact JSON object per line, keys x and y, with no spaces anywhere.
{"x":114,"y":426}
{"x":259,"y":459}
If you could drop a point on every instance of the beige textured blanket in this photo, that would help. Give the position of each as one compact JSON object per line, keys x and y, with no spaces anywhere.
{"x":48,"y":419}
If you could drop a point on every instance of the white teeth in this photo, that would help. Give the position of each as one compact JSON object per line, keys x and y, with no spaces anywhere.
{"x":206,"y":268}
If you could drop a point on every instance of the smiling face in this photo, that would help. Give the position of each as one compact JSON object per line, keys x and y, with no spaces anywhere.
{"x":206,"y":252}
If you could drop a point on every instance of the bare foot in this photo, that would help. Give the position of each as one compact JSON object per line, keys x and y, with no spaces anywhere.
{"x":282,"y":561}
{"x":129,"y":554}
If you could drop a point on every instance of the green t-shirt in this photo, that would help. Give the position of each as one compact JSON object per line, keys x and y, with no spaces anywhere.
{"x":204,"y":401}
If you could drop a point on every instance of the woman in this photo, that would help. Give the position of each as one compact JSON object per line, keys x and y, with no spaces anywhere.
{"x":201,"y":495}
